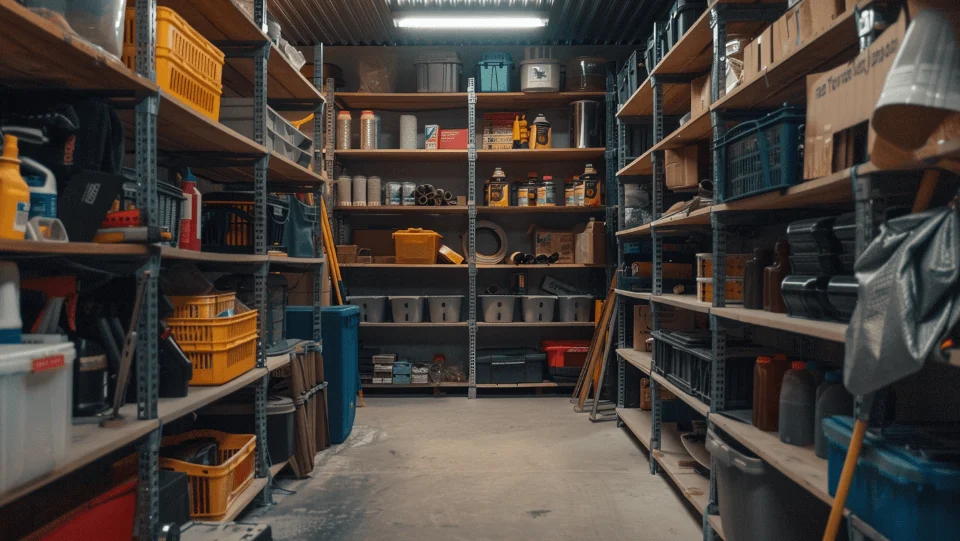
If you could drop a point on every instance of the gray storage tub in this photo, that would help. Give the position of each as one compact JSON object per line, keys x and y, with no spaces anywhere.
{"x":439,"y":72}
{"x":282,"y":136}
{"x":372,"y":309}
{"x":444,"y":308}
{"x":758,"y":502}
{"x":575,"y":307}
{"x":498,"y":308}
{"x":407,"y":309}
{"x":538,"y":308}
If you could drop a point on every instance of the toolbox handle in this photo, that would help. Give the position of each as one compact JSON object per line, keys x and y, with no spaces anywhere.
{"x":507,"y":363}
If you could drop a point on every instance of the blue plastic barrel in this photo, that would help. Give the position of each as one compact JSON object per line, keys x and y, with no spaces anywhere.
{"x":339,"y":326}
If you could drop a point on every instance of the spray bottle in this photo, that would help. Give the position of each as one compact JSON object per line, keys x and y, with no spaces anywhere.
{"x":190,"y":213}
{"x":43,"y":188}
{"x":14,"y":193}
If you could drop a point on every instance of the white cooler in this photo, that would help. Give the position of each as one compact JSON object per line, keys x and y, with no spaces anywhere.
{"x":36,"y":393}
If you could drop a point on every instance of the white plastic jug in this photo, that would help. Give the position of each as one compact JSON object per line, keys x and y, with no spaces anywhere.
{"x":43,"y":188}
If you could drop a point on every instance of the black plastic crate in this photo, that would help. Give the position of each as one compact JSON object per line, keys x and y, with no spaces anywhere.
{"x":228,"y":222}
{"x":630,"y":77}
{"x":738,"y":369}
{"x":169,"y":205}
{"x":677,"y":362}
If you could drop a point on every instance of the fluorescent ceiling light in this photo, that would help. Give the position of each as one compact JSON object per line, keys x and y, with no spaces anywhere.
{"x":484,"y":22}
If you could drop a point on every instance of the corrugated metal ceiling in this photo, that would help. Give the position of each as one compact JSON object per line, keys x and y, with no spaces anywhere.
{"x":369,"y":22}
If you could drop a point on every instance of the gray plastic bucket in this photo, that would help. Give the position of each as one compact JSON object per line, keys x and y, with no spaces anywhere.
{"x":407,"y":309}
{"x":575,"y":307}
{"x":539,"y":308}
{"x":444,"y":308}
{"x":372,"y":309}
{"x":498,"y":308}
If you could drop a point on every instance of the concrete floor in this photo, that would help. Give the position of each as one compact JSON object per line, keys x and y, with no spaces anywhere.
{"x":494,"y":468}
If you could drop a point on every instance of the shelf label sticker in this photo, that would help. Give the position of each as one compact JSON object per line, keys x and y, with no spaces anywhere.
{"x":52,"y":362}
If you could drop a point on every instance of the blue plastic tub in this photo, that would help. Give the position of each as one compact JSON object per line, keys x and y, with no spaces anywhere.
{"x":762,"y":155}
{"x":493,"y":72}
{"x":340,"y":327}
{"x":899,"y":488}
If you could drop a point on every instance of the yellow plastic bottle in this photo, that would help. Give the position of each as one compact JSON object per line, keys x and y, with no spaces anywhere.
{"x":14,"y":193}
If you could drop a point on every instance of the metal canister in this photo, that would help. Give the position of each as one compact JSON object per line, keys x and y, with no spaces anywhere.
{"x":409,"y":190}
{"x":368,"y":131}
{"x":393,"y":195}
{"x":499,"y":188}
{"x":569,"y":199}
{"x":591,"y":187}
{"x":344,"y":130}
{"x":546,"y":192}
{"x":373,"y":191}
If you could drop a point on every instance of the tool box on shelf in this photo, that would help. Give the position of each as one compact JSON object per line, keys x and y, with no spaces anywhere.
{"x":520,"y":365}
{"x":188,"y":65}
{"x":228,"y":219}
{"x":169,"y":206}
{"x":762,"y":155}
{"x":214,"y":487}
{"x":565,"y":358}
{"x":108,"y":517}
{"x":907,"y":480}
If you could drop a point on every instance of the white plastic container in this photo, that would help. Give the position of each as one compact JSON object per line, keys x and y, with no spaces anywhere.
{"x":407,"y":309}
{"x":36,"y":388}
{"x":539,"y":72}
{"x":538,"y":308}
{"x":575,"y":307}
{"x":445,"y":308}
{"x":372,"y":309}
{"x":498,"y":308}
{"x":98,"y":21}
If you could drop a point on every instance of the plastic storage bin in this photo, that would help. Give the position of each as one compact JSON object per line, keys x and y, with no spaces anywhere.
{"x":214,"y":488}
{"x":216,"y":364}
{"x":108,"y":517}
{"x":406,"y":309}
{"x":539,"y":72}
{"x":900,"y":487}
{"x":372,"y":309}
{"x":759,"y":156}
{"x":282,"y":136}
{"x":439,"y":72}
{"x":188,"y":65}
{"x":682,"y":16}
{"x":202,"y":306}
{"x":228,"y":219}
{"x":493,"y":72}
{"x":340,"y":329}
{"x":97,"y":21}
{"x":498,"y":308}
{"x":238,"y":418}
{"x":684,"y":358}
{"x":538,"y":308}
{"x":575,"y":307}
{"x":416,"y":246}
{"x":215,"y":330}
{"x":628,"y":80}
{"x":36,"y":383}
{"x":757,"y":501}
{"x":445,"y":308}
{"x":510,"y":366}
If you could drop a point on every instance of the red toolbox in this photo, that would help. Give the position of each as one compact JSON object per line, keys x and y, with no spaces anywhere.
{"x":108,"y":517}
{"x":565,"y":357}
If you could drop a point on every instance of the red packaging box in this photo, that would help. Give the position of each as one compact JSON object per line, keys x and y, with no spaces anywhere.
{"x":453,"y":139}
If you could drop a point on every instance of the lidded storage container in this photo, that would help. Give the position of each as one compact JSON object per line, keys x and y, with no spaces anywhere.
{"x":539,"y":71}
{"x":439,"y":72}
{"x":493,"y":72}
{"x":586,"y":74}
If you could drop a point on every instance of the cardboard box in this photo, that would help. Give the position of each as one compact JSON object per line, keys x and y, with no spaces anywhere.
{"x":379,"y":241}
{"x":453,"y":139}
{"x":450,"y":255}
{"x":699,"y":95}
{"x":347,"y":253}
{"x":431,"y":136}
{"x":590,"y":243}
{"x":671,"y":318}
{"x":685,"y":167}
{"x":844,"y":97}
{"x":824,"y":12}
{"x":676,"y":271}
{"x":548,"y":241}
{"x":758,"y":55}
{"x":385,"y":259}
{"x":792,"y":31}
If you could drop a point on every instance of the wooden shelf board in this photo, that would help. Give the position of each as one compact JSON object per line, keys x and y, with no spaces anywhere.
{"x":688,"y":302}
{"x":640,"y":102}
{"x":828,"y":330}
{"x":283,"y":82}
{"x":639,"y":231}
{"x":217,"y":20}
{"x":787,"y":77}
{"x":633,"y":294}
{"x":280,"y":170}
{"x":30,"y":247}
{"x":171,"y":409}
{"x":542,"y":155}
{"x":642,"y":165}
{"x":829,"y":190}
{"x":36,"y":52}
{"x":169,"y":252}
{"x":510,"y":266}
{"x":640,"y":359}
{"x":394,"y":209}
{"x":691,"y":401}
{"x":391,"y":325}
{"x":541,"y":385}
{"x":534,"y":100}
{"x":716,"y":524}
{"x":244,"y":499}
{"x":696,"y":129}
{"x":446,"y":384}
{"x":691,"y":54}
{"x":676,"y":100}
{"x":540,"y":210}
{"x":88,"y":442}
{"x":277,"y":468}
{"x":409,"y":155}
{"x":395,"y":266}
{"x":676,"y":463}
{"x":798,"y":463}
{"x":552,"y":324}
{"x":277,"y":361}
{"x":638,"y":421}
{"x":402,"y":101}
{"x":700,"y":216}
{"x":295,"y":264}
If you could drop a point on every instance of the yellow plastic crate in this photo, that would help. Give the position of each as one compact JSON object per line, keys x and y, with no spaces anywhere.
{"x":214,"y":488}
{"x":202,"y":306}
{"x":416,"y":246}
{"x":188,"y":65}
{"x":216,"y":364}
{"x":212,"y":331}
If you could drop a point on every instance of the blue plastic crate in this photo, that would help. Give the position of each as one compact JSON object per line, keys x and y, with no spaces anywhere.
{"x":762,"y":155}
{"x":402,"y":380}
{"x":340,"y":326}
{"x":899,"y":487}
{"x":493,"y":72}
{"x":401,"y":368}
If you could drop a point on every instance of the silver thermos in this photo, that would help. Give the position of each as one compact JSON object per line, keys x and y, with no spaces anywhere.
{"x":585,"y":127}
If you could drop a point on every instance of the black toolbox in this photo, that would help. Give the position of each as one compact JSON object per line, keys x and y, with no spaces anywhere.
{"x":521,"y":365}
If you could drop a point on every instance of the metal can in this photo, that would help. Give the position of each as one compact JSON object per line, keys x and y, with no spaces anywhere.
{"x":547,"y":192}
{"x":523,"y":195}
{"x":394,"y":194}
{"x":498,"y":189}
{"x":591,"y":187}
{"x":409,"y":190}
{"x":344,"y":130}
{"x":569,"y":199}
{"x":368,"y":131}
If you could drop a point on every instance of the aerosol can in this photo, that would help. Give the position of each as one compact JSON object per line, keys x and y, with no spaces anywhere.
{"x":190,"y":213}
{"x":14,"y":193}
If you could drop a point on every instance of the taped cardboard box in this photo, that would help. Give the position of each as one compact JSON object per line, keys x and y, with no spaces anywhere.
{"x":675,"y":271}
{"x":686,"y":167}
{"x":347,"y":253}
{"x":590,"y":243}
{"x":671,"y":319}
{"x":699,"y":95}
{"x":792,"y":31}
{"x":843,"y":98}
{"x":548,"y":241}
{"x":758,"y":55}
